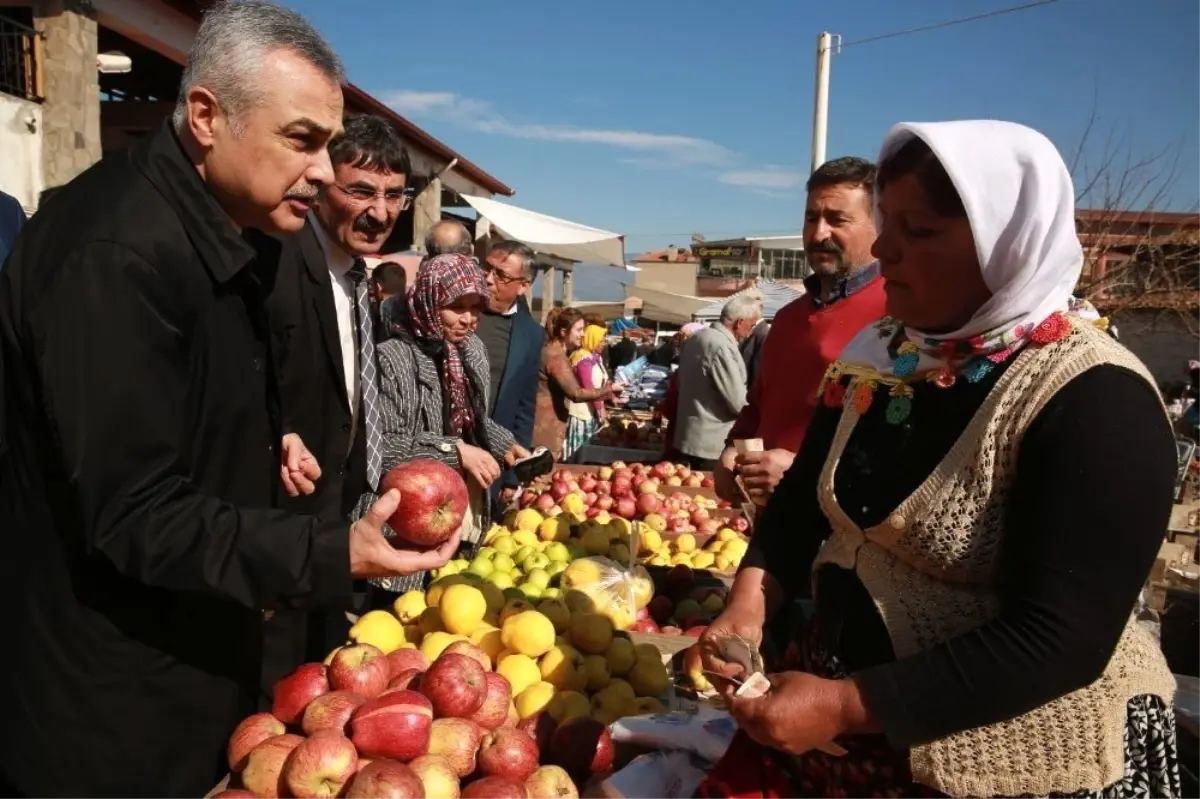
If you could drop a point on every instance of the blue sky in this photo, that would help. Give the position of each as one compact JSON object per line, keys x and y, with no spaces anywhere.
{"x":656,"y":119}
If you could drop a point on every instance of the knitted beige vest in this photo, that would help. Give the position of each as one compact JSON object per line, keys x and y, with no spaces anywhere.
{"x":933,"y":567}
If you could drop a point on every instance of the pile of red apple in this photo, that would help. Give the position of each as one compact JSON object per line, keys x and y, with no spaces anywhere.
{"x":631,"y":492}
{"x":375,"y":725}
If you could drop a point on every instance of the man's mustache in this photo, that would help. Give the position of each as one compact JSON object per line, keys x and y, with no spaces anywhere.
{"x":829,"y":246}
{"x":365,"y":223}
{"x":305,"y":194}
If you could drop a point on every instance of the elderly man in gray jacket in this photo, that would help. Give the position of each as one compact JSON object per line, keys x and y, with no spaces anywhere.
{"x":712,"y":382}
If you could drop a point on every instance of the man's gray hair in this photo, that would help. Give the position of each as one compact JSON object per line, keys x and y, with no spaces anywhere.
{"x":234,"y":39}
{"x":748,"y":305}
{"x":449,"y":237}
{"x":524,"y":253}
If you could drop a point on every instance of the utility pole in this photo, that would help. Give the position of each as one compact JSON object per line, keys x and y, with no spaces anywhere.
{"x":821,"y":98}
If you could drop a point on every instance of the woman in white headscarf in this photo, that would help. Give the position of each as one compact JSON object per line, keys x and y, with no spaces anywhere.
{"x":977,"y":506}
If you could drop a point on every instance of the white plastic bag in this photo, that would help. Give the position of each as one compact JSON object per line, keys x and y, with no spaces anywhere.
{"x":662,"y":774}
{"x":703,"y":731}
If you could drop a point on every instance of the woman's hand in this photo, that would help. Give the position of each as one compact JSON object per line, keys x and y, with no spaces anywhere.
{"x":732,"y":622}
{"x":515,"y":453}
{"x":801,"y":712}
{"x":479,"y":464}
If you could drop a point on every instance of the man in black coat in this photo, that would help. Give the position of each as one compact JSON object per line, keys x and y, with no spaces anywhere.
{"x":140,"y":543}
{"x":514,"y":339}
{"x":312,"y":310}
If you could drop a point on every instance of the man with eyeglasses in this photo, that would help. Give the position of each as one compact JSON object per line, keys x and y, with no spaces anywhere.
{"x":513,"y":340}
{"x":323,"y":338}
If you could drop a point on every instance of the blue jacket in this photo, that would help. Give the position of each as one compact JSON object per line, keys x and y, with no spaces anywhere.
{"x":12,"y":219}
{"x":517,"y":394}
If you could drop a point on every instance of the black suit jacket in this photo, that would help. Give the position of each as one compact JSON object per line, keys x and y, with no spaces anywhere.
{"x":314,"y":405}
{"x":140,"y":545}
{"x":312,"y":387}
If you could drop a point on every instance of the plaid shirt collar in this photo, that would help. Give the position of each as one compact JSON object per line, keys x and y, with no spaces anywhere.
{"x":851,"y":283}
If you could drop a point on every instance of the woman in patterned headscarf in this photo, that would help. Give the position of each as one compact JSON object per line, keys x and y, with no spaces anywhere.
{"x":433,"y":387}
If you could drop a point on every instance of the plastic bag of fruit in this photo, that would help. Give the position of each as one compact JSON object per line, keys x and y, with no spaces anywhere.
{"x":666,"y":774}
{"x":702,"y":730}
{"x":600,"y":584}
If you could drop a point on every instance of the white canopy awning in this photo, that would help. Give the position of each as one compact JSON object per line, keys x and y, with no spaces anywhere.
{"x":663,"y":306}
{"x":551,"y":235}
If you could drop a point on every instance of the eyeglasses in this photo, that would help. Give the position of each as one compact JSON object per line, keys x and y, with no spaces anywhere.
{"x":363,"y":195}
{"x":502,"y":277}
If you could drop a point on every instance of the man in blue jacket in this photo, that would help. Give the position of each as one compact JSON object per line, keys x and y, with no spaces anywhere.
{"x":12,"y":219}
{"x":513,"y":340}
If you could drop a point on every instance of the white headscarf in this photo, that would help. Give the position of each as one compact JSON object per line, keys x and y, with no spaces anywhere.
{"x":1020,"y":201}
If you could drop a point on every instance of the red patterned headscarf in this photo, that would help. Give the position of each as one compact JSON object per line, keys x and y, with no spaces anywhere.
{"x":441,"y":281}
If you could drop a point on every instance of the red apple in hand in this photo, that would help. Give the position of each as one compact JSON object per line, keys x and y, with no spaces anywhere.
{"x":494,"y":710}
{"x":293,"y":693}
{"x":455,"y":685}
{"x":508,"y":753}
{"x":495,"y":788}
{"x":739,"y":523}
{"x":433,"y":501}
{"x":320,"y":766}
{"x":404,"y":659}
{"x":361,"y":669}
{"x":551,"y":782}
{"x":386,"y":779}
{"x":263,"y":773}
{"x":437,"y":775}
{"x":331,"y":711}
{"x":393,"y":725}
{"x":252,"y":731}
{"x":583,"y":746}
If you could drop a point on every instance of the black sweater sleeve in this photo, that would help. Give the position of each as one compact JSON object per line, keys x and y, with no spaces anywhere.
{"x":790,"y":529}
{"x":1087,"y":514}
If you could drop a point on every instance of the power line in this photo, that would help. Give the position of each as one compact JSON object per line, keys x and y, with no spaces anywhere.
{"x":948,"y":23}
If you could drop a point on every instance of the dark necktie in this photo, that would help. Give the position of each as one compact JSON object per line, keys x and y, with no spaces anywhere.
{"x":367,"y":373}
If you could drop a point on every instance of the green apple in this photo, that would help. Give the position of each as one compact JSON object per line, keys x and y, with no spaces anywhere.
{"x":459,"y":564}
{"x":523,"y":553}
{"x":535,"y":561}
{"x":503,"y":563}
{"x":551,"y":593}
{"x":481,"y":566}
{"x":501,"y":579}
{"x":504,"y":544}
{"x":556,"y":567}
{"x":486,"y":552}
{"x":531,"y":591}
{"x":557,"y":552}
{"x":538,"y":577}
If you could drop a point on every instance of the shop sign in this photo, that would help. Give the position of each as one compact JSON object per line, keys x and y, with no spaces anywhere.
{"x":732,"y":253}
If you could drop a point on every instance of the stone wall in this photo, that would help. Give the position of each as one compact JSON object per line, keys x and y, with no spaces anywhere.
{"x":71,"y":112}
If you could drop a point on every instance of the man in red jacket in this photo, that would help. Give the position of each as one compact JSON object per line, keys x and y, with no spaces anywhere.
{"x":844,"y":294}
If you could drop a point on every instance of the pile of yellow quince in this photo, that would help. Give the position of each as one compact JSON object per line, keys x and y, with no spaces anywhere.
{"x":559,"y":655}
{"x":723,"y":552}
